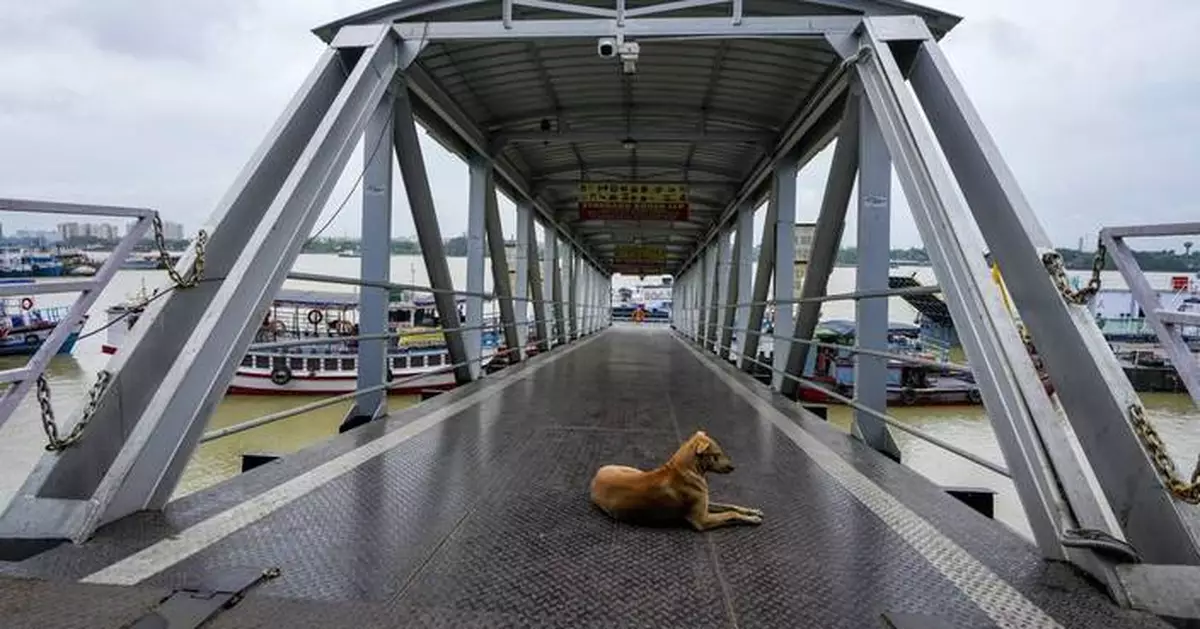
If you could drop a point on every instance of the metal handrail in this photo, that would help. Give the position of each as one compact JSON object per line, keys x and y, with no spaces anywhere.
{"x":334,"y":340}
{"x":353,"y":281}
{"x":888,"y":419}
{"x":330,"y":401}
{"x":851,"y":296}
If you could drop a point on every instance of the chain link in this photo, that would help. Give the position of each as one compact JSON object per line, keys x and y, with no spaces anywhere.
{"x":1058,"y":272}
{"x":1188,"y":492}
{"x":50,"y":425}
{"x":197,"y":273}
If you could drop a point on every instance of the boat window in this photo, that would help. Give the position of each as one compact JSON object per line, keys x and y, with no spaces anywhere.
{"x":262,"y":362}
{"x":435,"y":360}
{"x":278,"y":361}
{"x":347,"y":364}
{"x":400,"y":315}
{"x":400,"y":362}
{"x":417,"y":361}
{"x":296,"y":363}
{"x":314,"y":364}
{"x":247,"y":361}
{"x":331,"y":364}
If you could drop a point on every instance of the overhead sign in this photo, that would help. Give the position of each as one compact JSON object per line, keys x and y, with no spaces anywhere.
{"x":638,"y":255}
{"x":615,"y":200}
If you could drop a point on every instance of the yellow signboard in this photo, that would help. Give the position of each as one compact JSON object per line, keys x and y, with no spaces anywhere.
{"x":616,"y":200}
{"x":639,"y":254}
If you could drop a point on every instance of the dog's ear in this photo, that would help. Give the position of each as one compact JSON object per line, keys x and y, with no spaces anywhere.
{"x":703,"y":443}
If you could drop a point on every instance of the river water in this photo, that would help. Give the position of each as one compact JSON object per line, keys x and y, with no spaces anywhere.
{"x":967,"y":427}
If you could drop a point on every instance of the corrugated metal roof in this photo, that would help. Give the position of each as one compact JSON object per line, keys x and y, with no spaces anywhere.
{"x":562,"y":114}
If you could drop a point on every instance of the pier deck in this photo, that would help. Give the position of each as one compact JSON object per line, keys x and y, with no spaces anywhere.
{"x":471,"y":510}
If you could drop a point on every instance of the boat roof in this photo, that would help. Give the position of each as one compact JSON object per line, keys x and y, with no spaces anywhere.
{"x":341,"y":299}
{"x":847,"y":327}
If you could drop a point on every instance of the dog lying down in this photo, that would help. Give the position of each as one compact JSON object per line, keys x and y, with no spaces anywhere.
{"x":673,"y":493}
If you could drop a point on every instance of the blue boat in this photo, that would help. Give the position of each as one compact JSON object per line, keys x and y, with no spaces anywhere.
{"x":20,"y":263}
{"x":25,"y":326}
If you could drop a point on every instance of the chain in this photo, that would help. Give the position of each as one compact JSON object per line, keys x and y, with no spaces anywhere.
{"x":50,"y":426}
{"x":1058,"y":272}
{"x":1188,"y":492}
{"x":197,"y":264}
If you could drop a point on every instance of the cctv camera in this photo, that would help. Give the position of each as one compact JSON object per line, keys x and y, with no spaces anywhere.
{"x":606,"y":47}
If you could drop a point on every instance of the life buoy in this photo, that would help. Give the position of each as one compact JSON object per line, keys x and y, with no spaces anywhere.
{"x":27,"y":303}
{"x":908,"y":396}
{"x":973,"y":396}
{"x":315,"y":316}
{"x":343,"y":327}
{"x":281,"y":375}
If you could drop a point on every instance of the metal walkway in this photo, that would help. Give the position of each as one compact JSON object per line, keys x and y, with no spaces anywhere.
{"x":471,"y":510}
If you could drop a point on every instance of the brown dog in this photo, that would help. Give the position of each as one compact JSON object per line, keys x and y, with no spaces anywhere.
{"x":674,"y":493}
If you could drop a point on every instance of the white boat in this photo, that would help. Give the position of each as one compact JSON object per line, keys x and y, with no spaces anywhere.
{"x":1121,"y":318}
{"x":419,"y":360}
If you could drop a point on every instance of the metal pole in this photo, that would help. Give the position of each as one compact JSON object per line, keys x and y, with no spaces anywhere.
{"x":480,"y":175}
{"x":783,"y":190}
{"x":524,"y":277}
{"x":536,"y":285}
{"x":420,"y":201}
{"x":827,"y":238}
{"x":375,"y":264}
{"x":745,"y":275}
{"x":762,"y":280}
{"x":560,"y":329}
{"x":874,"y":235}
{"x":500,"y":279}
{"x":721,"y":252}
{"x":729,"y":293}
{"x":573,"y":291}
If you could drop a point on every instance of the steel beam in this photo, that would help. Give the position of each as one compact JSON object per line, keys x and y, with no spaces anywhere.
{"x":745,"y":277}
{"x":429,"y":235}
{"x":500,"y":280}
{"x":729,"y":291}
{"x":145,"y":473}
{"x":871,"y":314}
{"x":573,"y":293}
{"x":783,"y":191}
{"x":698,"y":136}
{"x":762,"y":282}
{"x":556,"y":272}
{"x":757,"y":27}
{"x":538,"y":280}
{"x":527,"y":282}
{"x":376,"y":261}
{"x":827,"y":238}
{"x":1012,"y":392}
{"x":721,"y":265}
{"x":1090,"y":383}
{"x":1165,"y":323}
{"x":479,"y":171}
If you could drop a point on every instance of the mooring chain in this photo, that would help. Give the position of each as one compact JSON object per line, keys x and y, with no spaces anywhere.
{"x":197,"y":273}
{"x":1058,"y":272}
{"x":50,"y":425}
{"x":1188,"y":492}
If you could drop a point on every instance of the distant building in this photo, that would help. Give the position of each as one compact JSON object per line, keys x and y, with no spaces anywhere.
{"x":100,"y":231}
{"x":171,"y":231}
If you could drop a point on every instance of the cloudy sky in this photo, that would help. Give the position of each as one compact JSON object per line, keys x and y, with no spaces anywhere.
{"x":159,"y":104}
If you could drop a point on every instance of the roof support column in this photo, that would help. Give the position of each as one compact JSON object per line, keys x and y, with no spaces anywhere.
{"x":429,"y":235}
{"x":871,"y":314}
{"x":783,"y":191}
{"x":500,"y":279}
{"x":525,"y":283}
{"x":572,"y":293}
{"x":729,"y":291}
{"x":478,"y":191}
{"x":536,"y":285}
{"x":762,"y":281}
{"x":375,"y":265}
{"x":827,"y":238}
{"x":745,"y":274}
{"x":720,"y":268}
{"x":555,"y":271}
{"x":703,"y":288}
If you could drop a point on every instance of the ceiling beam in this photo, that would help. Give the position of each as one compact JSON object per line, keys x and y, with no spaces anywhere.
{"x":726,"y":174}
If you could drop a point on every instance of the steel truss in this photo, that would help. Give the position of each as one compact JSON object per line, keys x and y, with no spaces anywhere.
{"x":181,"y":354}
{"x":1085,"y":478}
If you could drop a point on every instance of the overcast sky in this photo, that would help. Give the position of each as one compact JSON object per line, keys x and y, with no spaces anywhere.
{"x":160,"y":104}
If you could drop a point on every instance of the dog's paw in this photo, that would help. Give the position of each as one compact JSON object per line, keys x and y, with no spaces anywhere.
{"x":754,"y":512}
{"x":752,"y":519}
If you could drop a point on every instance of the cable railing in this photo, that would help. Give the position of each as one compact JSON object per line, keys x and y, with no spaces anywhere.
{"x":888,"y":419}
{"x":588,"y":318}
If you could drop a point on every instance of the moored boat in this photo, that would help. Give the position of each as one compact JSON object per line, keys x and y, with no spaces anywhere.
{"x":419,"y":359}
{"x":25,"y":326}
